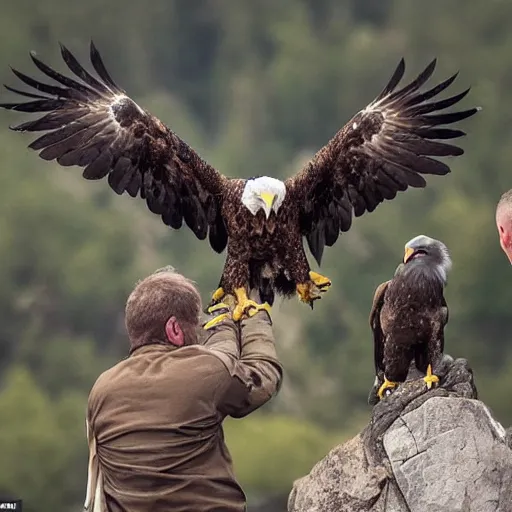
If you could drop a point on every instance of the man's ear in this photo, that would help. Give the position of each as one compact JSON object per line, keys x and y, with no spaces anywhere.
{"x":174,"y":332}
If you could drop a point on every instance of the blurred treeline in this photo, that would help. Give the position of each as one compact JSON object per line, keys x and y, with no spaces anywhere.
{"x":256,"y":87}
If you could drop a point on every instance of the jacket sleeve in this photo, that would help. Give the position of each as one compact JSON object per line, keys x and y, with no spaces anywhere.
{"x":257,"y":374}
{"x":224,"y":341}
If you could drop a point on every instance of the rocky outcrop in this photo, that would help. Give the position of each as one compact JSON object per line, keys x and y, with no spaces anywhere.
{"x":438,"y":450}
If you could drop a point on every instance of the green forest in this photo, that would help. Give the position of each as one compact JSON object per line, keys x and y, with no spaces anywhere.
{"x":256,"y":88}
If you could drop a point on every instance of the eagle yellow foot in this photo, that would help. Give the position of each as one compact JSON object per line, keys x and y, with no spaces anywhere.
{"x":321,"y":282}
{"x":218,"y":294}
{"x":430,"y":378}
{"x":308,"y":292}
{"x":259,"y":307}
{"x":245,"y":305}
{"x":387,"y":384}
{"x":215,"y":321}
{"x":216,"y":307}
{"x":311,"y":290}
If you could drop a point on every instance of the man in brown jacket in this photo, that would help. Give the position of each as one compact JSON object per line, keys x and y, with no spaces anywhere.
{"x":154,"y":420}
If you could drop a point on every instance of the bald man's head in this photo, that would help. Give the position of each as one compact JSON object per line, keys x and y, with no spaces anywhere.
{"x":504,"y":223}
{"x":163,"y":295}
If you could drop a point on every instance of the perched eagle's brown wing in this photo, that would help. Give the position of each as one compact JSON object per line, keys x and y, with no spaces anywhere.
{"x":383,"y":149}
{"x":95,"y":125}
{"x":378,"y":335}
{"x":445,"y":318}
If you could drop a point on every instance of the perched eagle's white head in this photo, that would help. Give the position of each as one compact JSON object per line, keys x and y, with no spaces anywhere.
{"x":430,"y":250}
{"x":263,"y":193}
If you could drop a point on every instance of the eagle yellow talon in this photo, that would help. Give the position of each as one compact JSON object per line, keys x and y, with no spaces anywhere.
{"x":218,"y":294}
{"x":320,"y":281}
{"x":387,"y":384}
{"x":308,"y":292}
{"x":312,"y":290}
{"x":214,"y":321}
{"x":245,"y":305}
{"x":259,"y":307}
{"x":430,"y":378}
{"x":217,"y":306}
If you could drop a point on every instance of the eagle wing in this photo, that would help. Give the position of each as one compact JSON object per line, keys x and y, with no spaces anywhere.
{"x":93,"y":124}
{"x":378,"y":335}
{"x":445,"y":313}
{"x":385,"y":148}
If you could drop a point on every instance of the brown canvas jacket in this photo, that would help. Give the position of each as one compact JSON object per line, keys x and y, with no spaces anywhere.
{"x":154,"y":421}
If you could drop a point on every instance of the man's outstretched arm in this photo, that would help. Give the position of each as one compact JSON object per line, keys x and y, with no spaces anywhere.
{"x":221,"y":335}
{"x":257,"y":374}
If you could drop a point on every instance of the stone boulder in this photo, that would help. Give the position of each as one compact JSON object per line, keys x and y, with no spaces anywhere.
{"x":423,"y":450}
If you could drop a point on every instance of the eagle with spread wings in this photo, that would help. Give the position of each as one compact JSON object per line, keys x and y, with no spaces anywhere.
{"x":385,"y":148}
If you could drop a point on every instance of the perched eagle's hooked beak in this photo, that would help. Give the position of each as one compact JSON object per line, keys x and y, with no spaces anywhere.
{"x":268,"y":199}
{"x":409,"y":251}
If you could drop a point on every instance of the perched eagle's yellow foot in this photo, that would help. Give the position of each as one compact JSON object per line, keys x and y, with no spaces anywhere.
{"x":214,"y":321}
{"x":430,"y":378}
{"x":245,"y":305}
{"x":323,"y":283}
{"x":218,"y":294}
{"x":387,"y":384}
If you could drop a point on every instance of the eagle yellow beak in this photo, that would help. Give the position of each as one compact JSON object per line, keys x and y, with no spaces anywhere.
{"x":408,"y":253}
{"x":268,"y":198}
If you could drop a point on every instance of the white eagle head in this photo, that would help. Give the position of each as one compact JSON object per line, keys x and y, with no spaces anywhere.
{"x":431,"y":251}
{"x":263,"y":193}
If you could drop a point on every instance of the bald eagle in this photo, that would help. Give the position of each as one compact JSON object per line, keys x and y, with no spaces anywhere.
{"x":409,"y":314}
{"x":385,"y":148}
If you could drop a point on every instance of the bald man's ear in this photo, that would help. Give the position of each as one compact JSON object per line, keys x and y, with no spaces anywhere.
{"x":174,"y":332}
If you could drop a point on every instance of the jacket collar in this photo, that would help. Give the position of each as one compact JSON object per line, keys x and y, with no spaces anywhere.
{"x":153,"y":346}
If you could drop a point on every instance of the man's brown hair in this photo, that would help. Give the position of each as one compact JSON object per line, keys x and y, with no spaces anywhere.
{"x":154,"y":300}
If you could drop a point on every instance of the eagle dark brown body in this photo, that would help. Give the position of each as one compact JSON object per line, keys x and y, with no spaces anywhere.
{"x":384,"y":149}
{"x":412,"y":320}
{"x":409,"y":313}
{"x":276,"y":260}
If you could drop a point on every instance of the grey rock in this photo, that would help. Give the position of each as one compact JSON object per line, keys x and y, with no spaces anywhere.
{"x":422,"y":450}
{"x":450,"y":455}
{"x":320,"y":491}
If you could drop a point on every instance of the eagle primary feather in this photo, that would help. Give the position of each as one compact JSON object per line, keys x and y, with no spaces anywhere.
{"x":385,"y":148}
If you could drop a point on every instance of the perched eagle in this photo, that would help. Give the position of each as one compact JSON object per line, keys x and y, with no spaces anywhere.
{"x":385,"y":148}
{"x":409,"y":314}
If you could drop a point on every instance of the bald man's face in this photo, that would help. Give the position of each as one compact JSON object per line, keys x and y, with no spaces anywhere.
{"x":504,"y":225}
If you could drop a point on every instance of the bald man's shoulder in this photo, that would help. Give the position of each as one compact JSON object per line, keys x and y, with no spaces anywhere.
{"x":154,"y":366}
